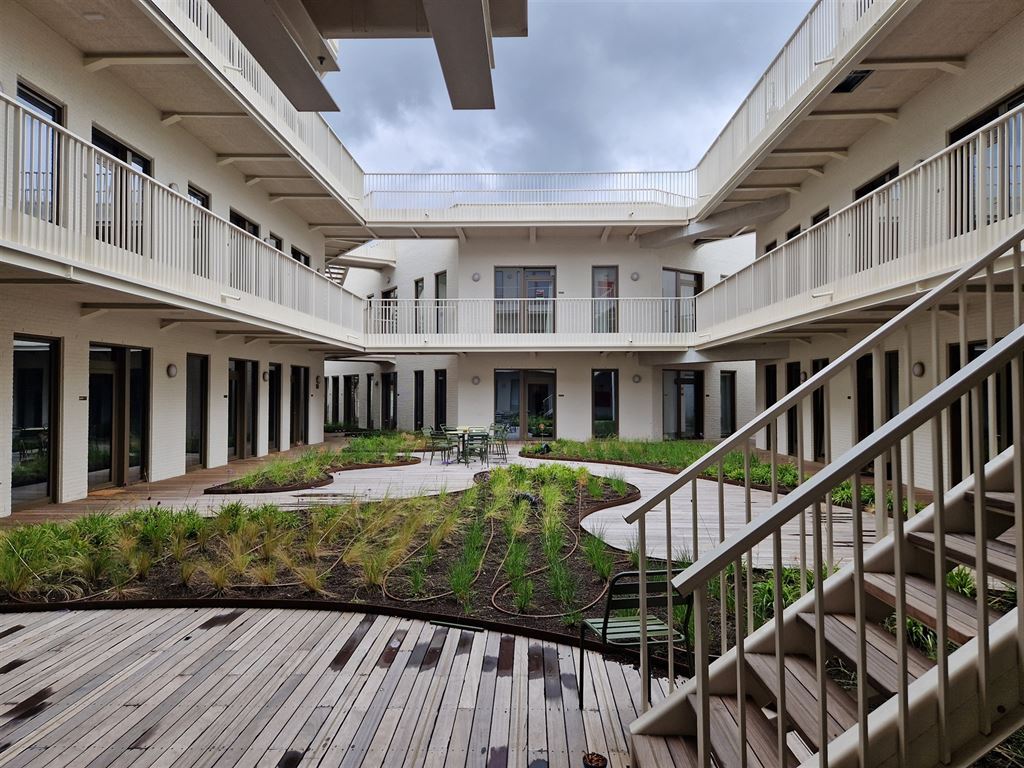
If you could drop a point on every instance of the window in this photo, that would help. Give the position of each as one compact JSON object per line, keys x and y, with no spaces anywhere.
{"x":604,"y":390}
{"x":443,"y":310}
{"x":40,"y":148}
{"x":417,"y":292}
{"x":819,"y":217}
{"x":792,"y":416}
{"x":525,"y":299}
{"x":879,"y":181}
{"x":771,"y":396}
{"x":769,"y":247}
{"x":982,"y":119}
{"x":727,"y":392}
{"x":122,"y":152}
{"x":276,"y":241}
{"x":818,"y":411}
{"x":244,"y":223}
{"x":417,"y":400}
{"x":299,"y":256}
{"x":793,"y":232}
{"x":389,"y":400}
{"x":604,"y":287}
{"x":197,"y":196}
{"x":369,"y":401}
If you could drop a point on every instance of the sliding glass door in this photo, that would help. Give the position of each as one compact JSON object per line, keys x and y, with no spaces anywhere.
{"x":119,"y":383}
{"x":524,"y":401}
{"x":683,"y":405}
{"x":524,"y":300}
{"x":197,"y":397}
{"x":34,"y":419}
{"x":300,"y":405}
{"x":243,"y":393}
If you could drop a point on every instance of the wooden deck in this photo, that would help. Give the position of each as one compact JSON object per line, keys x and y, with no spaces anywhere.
{"x":268,"y":687}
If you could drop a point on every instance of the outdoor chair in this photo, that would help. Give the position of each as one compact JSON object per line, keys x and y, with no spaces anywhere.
{"x":499,"y":442}
{"x":438,"y":442}
{"x":477,"y":445}
{"x":620,"y":625}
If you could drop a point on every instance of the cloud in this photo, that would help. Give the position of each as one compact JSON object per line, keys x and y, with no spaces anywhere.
{"x":597,"y":85}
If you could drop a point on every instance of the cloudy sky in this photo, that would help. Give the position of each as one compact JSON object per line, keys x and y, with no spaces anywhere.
{"x":598,"y":85}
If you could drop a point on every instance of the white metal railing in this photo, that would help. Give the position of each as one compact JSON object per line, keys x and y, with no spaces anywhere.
{"x":510,"y":196}
{"x":393,"y":323}
{"x":829,"y":31}
{"x":62,"y":197}
{"x":308,"y":133}
{"x":929,"y":220}
{"x":965,"y":401}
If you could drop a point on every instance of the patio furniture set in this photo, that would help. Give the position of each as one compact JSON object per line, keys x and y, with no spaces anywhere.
{"x":462,"y":445}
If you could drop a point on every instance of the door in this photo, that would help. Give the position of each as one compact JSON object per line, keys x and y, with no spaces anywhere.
{"x":818,"y":412}
{"x":370,"y":421}
{"x":118,"y":439}
{"x":961,"y":458}
{"x":243,"y":391}
{"x":35,"y":415}
{"x":197,"y":396}
{"x":351,"y":415}
{"x":524,"y":401}
{"x":335,"y":399}
{"x":792,"y":427}
{"x":274,"y":407}
{"x":417,"y":400}
{"x":727,"y":400}
{"x":771,"y":396}
{"x":605,"y":290}
{"x":299,"y":405}
{"x":683,"y":404}
{"x":604,"y":403}
{"x":678,"y":288}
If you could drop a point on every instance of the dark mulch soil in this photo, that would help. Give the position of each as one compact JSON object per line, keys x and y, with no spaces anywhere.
{"x":230,"y":488}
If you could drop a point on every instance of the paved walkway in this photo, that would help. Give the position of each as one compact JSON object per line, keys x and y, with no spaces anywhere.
{"x":265,"y":687}
{"x":427,"y":478}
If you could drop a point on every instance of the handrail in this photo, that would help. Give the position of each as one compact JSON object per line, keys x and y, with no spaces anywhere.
{"x":841,"y":468}
{"x":841,"y":363}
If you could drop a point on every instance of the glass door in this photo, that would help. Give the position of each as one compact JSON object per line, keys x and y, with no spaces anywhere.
{"x":605,"y":290}
{"x":507,"y":390}
{"x":197,"y":394}
{"x":274,"y":407}
{"x":118,"y":441}
{"x":34,"y":419}
{"x":524,"y":401}
{"x":300,"y":405}
{"x":679,"y":286}
{"x":389,"y":400}
{"x":524,"y":300}
{"x":683,"y":405}
{"x":102,"y":416}
{"x":243,"y":390}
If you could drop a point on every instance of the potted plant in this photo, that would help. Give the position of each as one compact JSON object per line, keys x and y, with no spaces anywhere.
{"x":594,"y":760}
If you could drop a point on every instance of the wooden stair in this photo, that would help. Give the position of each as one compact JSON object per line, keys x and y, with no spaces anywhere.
{"x":762,"y":737}
{"x":1000,"y":556}
{"x":995,"y":501}
{"x":666,"y":752}
{"x":882,"y":670}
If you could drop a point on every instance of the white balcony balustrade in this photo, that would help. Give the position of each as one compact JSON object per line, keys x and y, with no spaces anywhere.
{"x":66,"y":201}
{"x":925,"y":223}
{"x":559,"y":323}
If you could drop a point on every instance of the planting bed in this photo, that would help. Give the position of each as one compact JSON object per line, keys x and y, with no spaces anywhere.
{"x":509,"y":549}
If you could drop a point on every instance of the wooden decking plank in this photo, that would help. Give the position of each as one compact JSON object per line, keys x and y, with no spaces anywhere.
{"x":604,"y":707}
{"x":558,"y":747}
{"x":437,"y":747}
{"x":483,"y":707}
{"x":423,"y":722}
{"x":517,"y":731}
{"x":575,"y":733}
{"x":501,"y":713}
{"x":457,"y":752}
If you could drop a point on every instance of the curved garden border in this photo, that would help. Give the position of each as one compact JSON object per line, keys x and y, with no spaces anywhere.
{"x":227,"y":489}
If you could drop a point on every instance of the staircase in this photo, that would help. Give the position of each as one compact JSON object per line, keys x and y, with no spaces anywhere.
{"x":837,"y":681}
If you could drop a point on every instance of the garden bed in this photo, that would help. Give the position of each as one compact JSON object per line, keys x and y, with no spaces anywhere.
{"x":508,"y":550}
{"x":313,"y":469}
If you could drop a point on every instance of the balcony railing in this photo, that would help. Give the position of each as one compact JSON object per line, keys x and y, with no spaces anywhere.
{"x":307,"y":132}
{"x":453,"y":197}
{"x":63,"y":198}
{"x":925,"y":223}
{"x":530,"y":323}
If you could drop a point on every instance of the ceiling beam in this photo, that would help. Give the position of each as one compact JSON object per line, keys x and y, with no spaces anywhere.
{"x":97,"y":62}
{"x":717,"y":224}
{"x":253,"y":180}
{"x":461,"y":233}
{"x":132,"y":305}
{"x":814,"y":170}
{"x":882,"y":115}
{"x":301,"y":196}
{"x":170,"y":118}
{"x":241,"y":158}
{"x":768,"y":188}
{"x":605,"y":233}
{"x":839,"y":153}
{"x":955,"y":65}
{"x":37,"y":281}
{"x":462,"y":37}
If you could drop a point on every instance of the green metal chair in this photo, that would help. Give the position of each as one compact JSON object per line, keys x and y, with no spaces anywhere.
{"x":622,"y":630}
{"x":438,"y":442}
{"x":477,"y":445}
{"x":499,"y":442}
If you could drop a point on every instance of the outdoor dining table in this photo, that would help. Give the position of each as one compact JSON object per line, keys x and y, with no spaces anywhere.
{"x":460,"y":434}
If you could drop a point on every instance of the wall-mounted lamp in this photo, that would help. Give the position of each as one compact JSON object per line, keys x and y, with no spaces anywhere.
{"x":917,"y":369}
{"x":637,"y":378}
{"x":266,"y":375}
{"x":803,"y":376}
{"x":172,"y":370}
{"x":634,"y":276}
{"x":476,"y":277}
{"x":475,"y":380}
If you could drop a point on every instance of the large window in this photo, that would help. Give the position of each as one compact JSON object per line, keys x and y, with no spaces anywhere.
{"x":604,"y":287}
{"x":524,"y":299}
{"x":34,"y":419}
{"x":524,"y":401}
{"x":40,"y":149}
{"x":197,"y":395}
{"x":727,"y":409}
{"x":119,"y":193}
{"x":679,"y":287}
{"x":604,"y":388}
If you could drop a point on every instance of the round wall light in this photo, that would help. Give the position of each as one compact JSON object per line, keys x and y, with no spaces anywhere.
{"x":266,"y":375}
{"x":637,"y":378}
{"x":172,"y":370}
{"x":476,"y":277}
{"x":475,"y":380}
{"x":917,"y":369}
{"x":634,"y":276}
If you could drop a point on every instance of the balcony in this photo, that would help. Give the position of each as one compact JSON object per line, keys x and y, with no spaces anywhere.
{"x":64,"y":201}
{"x":529,"y":324}
{"x":922,"y":225}
{"x":453,"y":198}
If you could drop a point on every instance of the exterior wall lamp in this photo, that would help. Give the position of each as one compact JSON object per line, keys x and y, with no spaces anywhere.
{"x":172,"y":370}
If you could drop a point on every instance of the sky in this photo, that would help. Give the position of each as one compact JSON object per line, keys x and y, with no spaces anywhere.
{"x":598,"y":85}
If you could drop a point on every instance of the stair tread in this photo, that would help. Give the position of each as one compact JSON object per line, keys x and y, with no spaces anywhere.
{"x":665,"y":751}
{"x":802,"y":695}
{"x":762,"y":737}
{"x":1000,"y":501}
{"x":961,"y":620}
{"x":882,"y":670}
{"x":1000,"y":556}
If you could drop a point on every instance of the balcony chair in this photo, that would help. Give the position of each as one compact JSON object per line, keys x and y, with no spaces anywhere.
{"x":622,"y":630}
